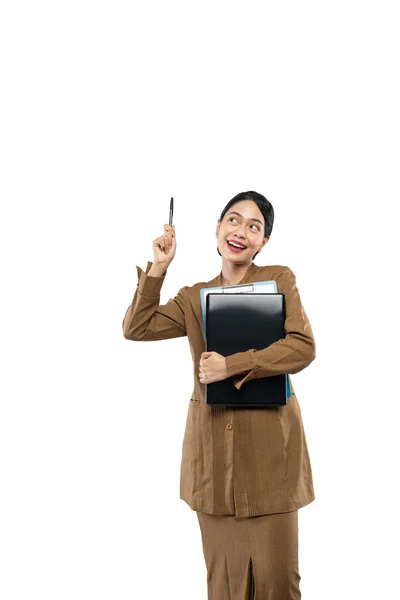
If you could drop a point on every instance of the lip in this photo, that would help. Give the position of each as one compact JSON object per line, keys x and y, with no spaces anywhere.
{"x":237,"y":242}
{"x":234,"y":250}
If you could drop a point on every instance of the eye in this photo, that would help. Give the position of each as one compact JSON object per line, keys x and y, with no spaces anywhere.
{"x":253,"y":224}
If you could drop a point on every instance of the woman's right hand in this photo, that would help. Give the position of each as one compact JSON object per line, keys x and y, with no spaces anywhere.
{"x":164,"y":247}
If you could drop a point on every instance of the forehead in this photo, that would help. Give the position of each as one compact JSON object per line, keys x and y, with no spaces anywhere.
{"x":248,"y":209}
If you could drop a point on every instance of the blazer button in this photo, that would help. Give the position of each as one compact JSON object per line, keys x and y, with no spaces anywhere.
{"x":229,"y":425}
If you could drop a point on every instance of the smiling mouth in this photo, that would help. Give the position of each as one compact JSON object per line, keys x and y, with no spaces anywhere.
{"x":233,"y":248}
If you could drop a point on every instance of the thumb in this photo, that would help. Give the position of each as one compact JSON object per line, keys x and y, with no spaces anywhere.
{"x":206,"y":354}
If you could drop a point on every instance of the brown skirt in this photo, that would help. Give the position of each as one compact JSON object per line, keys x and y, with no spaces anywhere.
{"x":251,"y":558}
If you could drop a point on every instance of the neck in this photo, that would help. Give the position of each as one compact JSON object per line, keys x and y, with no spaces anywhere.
{"x":232,"y":273}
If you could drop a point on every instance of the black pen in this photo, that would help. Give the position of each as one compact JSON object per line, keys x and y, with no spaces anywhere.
{"x":171,"y":210}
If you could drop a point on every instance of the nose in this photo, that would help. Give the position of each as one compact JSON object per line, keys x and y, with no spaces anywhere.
{"x":239,"y":233}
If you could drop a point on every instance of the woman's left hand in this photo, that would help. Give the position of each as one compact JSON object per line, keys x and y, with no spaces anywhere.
{"x":212,"y":367}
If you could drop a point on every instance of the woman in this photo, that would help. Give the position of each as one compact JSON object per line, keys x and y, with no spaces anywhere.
{"x":245,"y":472}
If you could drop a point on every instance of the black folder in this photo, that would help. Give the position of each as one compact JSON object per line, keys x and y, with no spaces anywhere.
{"x":240,"y":322}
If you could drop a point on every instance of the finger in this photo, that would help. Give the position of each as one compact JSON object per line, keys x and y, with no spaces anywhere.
{"x":168,"y":241}
{"x":160,"y":241}
{"x":169,"y":229}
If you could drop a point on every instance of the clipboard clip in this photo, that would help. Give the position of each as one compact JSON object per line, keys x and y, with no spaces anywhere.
{"x":233,"y":289}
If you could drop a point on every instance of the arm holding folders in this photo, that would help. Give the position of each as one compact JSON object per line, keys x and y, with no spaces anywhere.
{"x":291,"y":354}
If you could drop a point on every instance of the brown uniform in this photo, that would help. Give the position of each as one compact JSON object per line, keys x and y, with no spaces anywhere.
{"x":242,"y":462}
{"x":235,"y":462}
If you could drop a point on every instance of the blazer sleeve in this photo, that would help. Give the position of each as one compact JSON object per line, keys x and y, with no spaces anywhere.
{"x":147,"y":320}
{"x":291,"y":354}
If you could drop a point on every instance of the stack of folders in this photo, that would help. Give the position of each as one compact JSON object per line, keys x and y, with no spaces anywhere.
{"x":239,"y":318}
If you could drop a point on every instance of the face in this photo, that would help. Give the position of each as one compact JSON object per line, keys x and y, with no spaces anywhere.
{"x":243,"y":224}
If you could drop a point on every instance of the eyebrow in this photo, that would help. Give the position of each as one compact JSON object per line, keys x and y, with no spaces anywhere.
{"x":233,"y":212}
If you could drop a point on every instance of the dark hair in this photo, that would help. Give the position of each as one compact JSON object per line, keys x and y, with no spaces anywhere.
{"x":263,"y":204}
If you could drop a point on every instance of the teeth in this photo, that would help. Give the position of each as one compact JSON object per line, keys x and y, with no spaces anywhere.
{"x":236,"y":245}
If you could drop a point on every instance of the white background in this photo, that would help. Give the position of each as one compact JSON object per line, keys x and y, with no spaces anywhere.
{"x":107,"y":110}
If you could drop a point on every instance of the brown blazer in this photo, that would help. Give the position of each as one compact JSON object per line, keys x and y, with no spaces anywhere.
{"x":242,"y":462}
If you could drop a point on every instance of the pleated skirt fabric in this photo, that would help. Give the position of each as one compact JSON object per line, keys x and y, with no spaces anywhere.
{"x":251,"y":558}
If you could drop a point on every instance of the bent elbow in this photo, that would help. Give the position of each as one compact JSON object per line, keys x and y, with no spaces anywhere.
{"x":310,"y":353}
{"x":309,"y":346}
{"x":313,"y":350}
{"x":305,"y":355}
{"x":127,"y":334}
{"x":131,"y":333}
